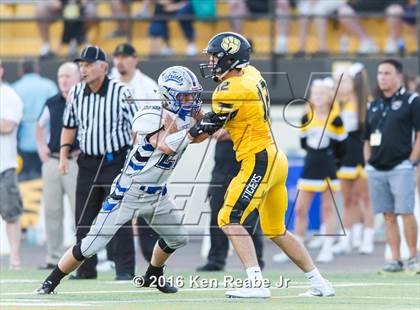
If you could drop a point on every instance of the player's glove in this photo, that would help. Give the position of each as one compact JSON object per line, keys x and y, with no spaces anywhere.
{"x":200,"y":128}
{"x":210,"y":123}
{"x":204,"y":126}
{"x":218,"y":119}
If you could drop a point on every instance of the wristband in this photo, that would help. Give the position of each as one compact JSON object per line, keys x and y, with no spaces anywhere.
{"x":66,"y":144}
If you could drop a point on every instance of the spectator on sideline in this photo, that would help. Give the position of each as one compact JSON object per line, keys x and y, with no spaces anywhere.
{"x":322,"y":9}
{"x":353,"y":94}
{"x":239,"y":8}
{"x":159,"y":29}
{"x":398,"y":16}
{"x":121,"y":8}
{"x":34,"y":90}
{"x":57,"y":8}
{"x":413,"y":85}
{"x":48,"y":134}
{"x":142,"y":87}
{"x":392,"y":8}
{"x":11,"y":108}
{"x":74,"y":30}
{"x":392,"y":156}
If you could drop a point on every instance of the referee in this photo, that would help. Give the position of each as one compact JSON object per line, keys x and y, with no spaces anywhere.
{"x":98,"y":110}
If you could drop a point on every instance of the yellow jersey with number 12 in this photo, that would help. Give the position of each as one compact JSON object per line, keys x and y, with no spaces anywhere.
{"x":247,"y":98}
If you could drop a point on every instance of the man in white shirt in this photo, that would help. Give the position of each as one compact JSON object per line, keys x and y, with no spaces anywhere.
{"x":144,"y":90}
{"x":11,"y":108}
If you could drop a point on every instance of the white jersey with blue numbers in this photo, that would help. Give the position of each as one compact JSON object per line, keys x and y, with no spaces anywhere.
{"x":147,"y":169}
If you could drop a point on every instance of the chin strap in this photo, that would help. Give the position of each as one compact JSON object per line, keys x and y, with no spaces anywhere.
{"x":183,"y":113}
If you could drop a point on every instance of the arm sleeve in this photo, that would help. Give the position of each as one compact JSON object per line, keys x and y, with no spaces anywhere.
{"x":70,"y":119}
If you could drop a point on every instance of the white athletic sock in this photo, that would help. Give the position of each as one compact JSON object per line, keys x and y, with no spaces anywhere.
{"x":368,"y":235}
{"x":357,"y":234}
{"x":322,"y":229}
{"x":255,"y":275}
{"x":314,"y":277}
{"x":345,"y":241}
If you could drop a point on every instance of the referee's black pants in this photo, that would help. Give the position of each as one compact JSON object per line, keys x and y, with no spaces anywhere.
{"x":219,"y":243}
{"x":94,"y":181}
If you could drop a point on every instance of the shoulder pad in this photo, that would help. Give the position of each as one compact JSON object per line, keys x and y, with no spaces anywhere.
{"x":148,"y":119}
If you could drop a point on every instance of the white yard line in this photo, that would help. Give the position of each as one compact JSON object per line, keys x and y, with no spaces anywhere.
{"x":55,"y":304}
{"x":8,"y":281}
{"x":52,"y":303}
{"x":148,"y":291}
{"x":292,"y":283}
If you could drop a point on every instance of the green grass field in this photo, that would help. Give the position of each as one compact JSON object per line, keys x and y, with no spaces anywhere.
{"x":353,"y":291}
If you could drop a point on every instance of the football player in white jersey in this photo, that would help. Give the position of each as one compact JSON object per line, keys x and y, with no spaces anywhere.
{"x":162,"y":132}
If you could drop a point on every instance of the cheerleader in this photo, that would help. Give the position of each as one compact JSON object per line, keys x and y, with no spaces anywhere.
{"x":322,"y":137}
{"x":353,"y":96}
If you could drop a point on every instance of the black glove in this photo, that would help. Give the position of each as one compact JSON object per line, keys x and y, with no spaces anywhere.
{"x":210,"y":123}
{"x":204,"y":126}
{"x":218,"y":119}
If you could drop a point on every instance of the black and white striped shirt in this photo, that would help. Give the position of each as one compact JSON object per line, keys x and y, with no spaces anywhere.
{"x":103,"y":118}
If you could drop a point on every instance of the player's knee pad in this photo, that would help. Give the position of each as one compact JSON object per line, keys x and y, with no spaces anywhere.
{"x":165,"y":247}
{"x":174,"y":242}
{"x":77,"y":252}
{"x":182,"y":241}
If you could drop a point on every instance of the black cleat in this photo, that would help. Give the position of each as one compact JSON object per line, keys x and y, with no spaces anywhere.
{"x":46,"y":288}
{"x":124,"y":277}
{"x":47,"y":266}
{"x":210,"y":267}
{"x":157,"y":281}
{"x":82,"y":276}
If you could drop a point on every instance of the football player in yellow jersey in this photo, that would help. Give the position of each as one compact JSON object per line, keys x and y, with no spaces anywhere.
{"x":241,"y":101}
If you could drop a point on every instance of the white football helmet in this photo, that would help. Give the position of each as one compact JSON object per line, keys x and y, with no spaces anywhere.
{"x":178,"y":80}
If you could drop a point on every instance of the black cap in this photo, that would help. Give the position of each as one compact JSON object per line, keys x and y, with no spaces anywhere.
{"x":91,"y":54}
{"x":125,"y":49}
